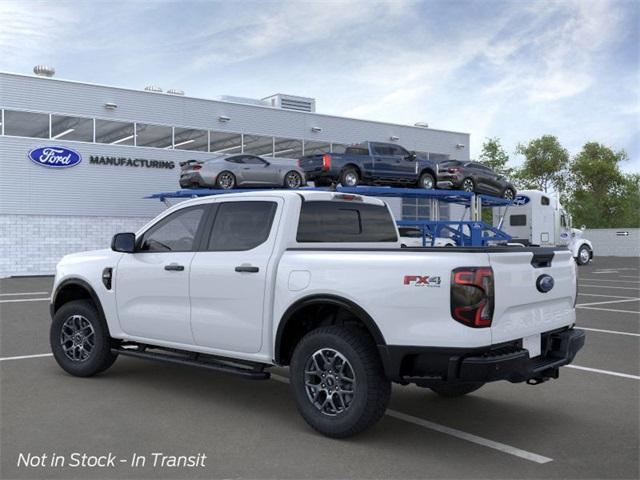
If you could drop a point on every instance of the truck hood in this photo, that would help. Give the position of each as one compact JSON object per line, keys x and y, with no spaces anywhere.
{"x":576,"y":233}
{"x":86,"y":257}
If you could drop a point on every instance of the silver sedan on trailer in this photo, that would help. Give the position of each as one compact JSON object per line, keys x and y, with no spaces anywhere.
{"x":241,"y":170}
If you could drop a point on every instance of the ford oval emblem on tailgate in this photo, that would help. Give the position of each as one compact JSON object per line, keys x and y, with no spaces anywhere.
{"x":55,"y":157}
{"x":544,"y":283}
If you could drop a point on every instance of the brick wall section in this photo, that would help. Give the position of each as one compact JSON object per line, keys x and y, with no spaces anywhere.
{"x":33,"y":244}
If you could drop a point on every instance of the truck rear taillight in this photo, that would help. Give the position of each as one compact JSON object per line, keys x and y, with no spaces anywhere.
{"x":196,"y":167}
{"x":326,"y":161}
{"x":472,"y":297}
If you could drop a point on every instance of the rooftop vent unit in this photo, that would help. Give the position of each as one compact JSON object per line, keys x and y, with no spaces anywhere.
{"x":291,"y":102}
{"x":153,"y":88}
{"x":175,"y":91}
{"x":44,"y":71}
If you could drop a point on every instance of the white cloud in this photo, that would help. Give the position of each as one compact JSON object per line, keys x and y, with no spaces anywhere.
{"x":32,"y":29}
{"x":290,"y":23}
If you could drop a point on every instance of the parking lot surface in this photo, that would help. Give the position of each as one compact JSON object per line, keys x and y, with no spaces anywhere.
{"x":586,"y":424}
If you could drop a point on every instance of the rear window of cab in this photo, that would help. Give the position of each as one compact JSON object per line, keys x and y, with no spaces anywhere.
{"x":336,"y":221}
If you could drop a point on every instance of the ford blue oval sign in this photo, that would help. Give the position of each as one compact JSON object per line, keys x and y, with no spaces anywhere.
{"x":55,"y":157}
{"x":521,"y":200}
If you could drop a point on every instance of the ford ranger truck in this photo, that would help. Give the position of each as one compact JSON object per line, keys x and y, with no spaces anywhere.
{"x":371,"y":163}
{"x":316,"y":281}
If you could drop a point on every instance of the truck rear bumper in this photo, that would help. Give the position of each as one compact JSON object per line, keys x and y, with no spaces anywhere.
{"x":426,"y":366}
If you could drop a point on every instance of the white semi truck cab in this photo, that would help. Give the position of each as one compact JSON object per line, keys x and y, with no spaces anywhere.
{"x":538,"y":219}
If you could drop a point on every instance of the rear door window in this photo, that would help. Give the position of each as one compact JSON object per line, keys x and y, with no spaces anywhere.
{"x":334,"y":221}
{"x":356,"y":151}
{"x":241,"y":226}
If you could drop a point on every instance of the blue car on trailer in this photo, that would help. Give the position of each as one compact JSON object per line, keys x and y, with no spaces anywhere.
{"x":371,"y":163}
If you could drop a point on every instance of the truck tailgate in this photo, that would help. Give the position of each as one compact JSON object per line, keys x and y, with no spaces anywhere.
{"x":311,"y":163}
{"x":521,"y":309}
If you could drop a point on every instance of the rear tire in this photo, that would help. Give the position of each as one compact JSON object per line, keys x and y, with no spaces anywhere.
{"x":456,"y":389}
{"x":508,"y":194}
{"x":427,"y":181}
{"x":80,"y":339}
{"x":338,"y":382}
{"x":349,"y":177}
{"x":293,"y":180}
{"x":468,"y":185}
{"x":225,"y":180}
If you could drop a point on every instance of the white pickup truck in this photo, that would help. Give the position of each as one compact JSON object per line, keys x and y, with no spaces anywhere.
{"x":316,"y":281}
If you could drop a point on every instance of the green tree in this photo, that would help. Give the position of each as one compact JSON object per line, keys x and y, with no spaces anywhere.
{"x":600,"y":195}
{"x":494,"y":156}
{"x":545,"y":164}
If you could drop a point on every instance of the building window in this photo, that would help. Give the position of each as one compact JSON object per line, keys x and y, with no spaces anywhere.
{"x":157,"y":136}
{"x":190,"y":139}
{"x":225,"y":142}
{"x":287,"y":148}
{"x":26,"y":124}
{"x":71,"y":128}
{"x":415,"y":209}
{"x":258,"y":145}
{"x":114,"y":133}
{"x":314,"y":148}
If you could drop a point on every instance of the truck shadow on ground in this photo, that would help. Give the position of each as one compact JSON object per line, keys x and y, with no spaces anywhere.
{"x":474,"y":413}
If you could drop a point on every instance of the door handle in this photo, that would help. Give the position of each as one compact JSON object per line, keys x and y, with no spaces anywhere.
{"x":174,"y":267}
{"x":247,"y":268}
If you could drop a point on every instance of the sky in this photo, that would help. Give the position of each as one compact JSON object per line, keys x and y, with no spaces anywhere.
{"x":509,"y":69}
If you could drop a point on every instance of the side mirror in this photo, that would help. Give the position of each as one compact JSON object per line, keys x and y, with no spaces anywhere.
{"x":124,"y":242}
{"x":412,"y":156}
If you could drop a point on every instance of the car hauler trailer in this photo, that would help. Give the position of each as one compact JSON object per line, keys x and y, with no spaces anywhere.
{"x":538,"y":219}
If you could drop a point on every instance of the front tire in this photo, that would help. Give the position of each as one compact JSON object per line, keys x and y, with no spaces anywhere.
{"x":338,"y":382}
{"x":427,"y":181}
{"x":80,"y":340}
{"x":226,"y":180}
{"x":456,"y":389}
{"x":584,"y":255}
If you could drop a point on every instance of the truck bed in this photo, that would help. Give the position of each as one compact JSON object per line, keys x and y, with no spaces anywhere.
{"x":373,"y":278}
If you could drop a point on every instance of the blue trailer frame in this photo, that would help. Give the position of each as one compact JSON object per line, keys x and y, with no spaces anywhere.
{"x":473,"y":232}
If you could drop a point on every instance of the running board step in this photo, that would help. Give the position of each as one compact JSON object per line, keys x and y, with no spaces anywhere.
{"x":255,"y":373}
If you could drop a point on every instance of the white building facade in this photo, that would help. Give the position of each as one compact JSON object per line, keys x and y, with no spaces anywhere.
{"x":130,"y":143}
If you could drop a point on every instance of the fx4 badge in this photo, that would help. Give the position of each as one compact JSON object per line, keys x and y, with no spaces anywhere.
{"x":422,"y":281}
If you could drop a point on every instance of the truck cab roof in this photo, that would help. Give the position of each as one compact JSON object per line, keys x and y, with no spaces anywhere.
{"x":306,"y":195}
